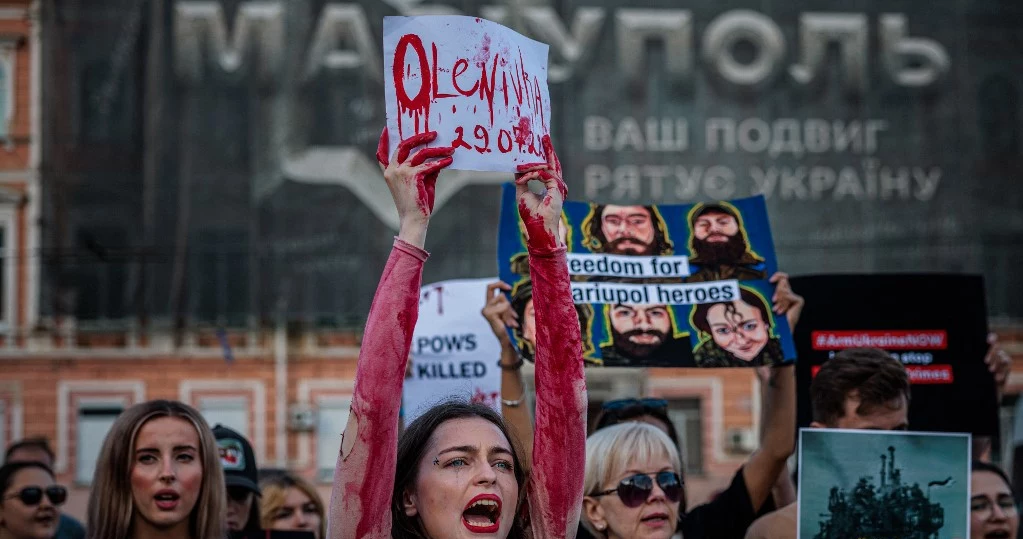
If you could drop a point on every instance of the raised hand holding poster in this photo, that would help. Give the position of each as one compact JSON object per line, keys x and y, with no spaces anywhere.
{"x":670,"y":285}
{"x":481,"y":86}
{"x":454,"y":351}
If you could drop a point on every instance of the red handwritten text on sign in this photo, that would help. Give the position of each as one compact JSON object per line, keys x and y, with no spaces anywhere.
{"x":484,"y":94}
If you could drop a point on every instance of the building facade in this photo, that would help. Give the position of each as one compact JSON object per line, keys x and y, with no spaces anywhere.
{"x":157,"y":216}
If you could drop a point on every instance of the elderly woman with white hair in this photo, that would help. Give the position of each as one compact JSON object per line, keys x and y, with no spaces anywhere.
{"x":633,"y":484}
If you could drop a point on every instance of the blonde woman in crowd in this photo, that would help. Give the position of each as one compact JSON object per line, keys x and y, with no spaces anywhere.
{"x":158,"y":476}
{"x":291,"y":503}
{"x":633,"y":484}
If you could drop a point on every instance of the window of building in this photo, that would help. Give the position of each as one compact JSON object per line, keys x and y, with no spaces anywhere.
{"x":5,"y":97}
{"x":101,"y":274}
{"x":4,"y":295}
{"x":231,"y":412}
{"x":221,"y":270}
{"x":685,"y":414}
{"x":3,"y":424}
{"x":331,"y":420}
{"x":688,"y":420}
{"x":7,"y":255}
{"x":1010,"y":427}
{"x":94,"y":422}
{"x":8,"y":52}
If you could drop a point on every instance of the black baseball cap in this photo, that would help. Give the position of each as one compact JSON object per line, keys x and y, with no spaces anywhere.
{"x":714,"y":207}
{"x":237,"y":459}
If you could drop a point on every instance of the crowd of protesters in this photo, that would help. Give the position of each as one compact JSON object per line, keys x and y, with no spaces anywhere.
{"x":461,"y":469}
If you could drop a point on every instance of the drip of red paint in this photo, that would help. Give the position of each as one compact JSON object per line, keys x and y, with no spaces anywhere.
{"x":367,"y":478}
{"x":560,"y":440}
{"x":426,"y":184}
{"x":537,"y":234}
{"x":555,"y":163}
{"x":426,"y":179}
{"x":383,"y":151}
{"x":538,"y":103}
{"x":417,"y":107}
{"x":487,"y":87}
{"x":483,"y":54}
{"x":523,"y":131}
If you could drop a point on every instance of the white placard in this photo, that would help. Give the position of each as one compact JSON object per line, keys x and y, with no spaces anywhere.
{"x":481,"y":86}
{"x":454,"y":352}
{"x":655,"y":294}
{"x":633,"y":267}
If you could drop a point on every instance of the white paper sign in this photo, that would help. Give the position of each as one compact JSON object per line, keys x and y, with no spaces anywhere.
{"x":454,"y":352}
{"x":481,"y":86}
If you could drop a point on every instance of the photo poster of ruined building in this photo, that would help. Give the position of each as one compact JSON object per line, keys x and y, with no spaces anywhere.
{"x":935,"y":324}
{"x":883,"y":485}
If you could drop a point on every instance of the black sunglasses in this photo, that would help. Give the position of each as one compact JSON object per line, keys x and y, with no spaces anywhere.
{"x":33,"y":495}
{"x":634,"y":490}
{"x":628,"y":403}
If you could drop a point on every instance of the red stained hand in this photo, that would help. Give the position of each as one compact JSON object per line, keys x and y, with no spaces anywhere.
{"x":542,"y":213}
{"x":413,"y":180}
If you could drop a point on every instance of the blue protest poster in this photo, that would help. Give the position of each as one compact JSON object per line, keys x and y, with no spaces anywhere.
{"x":667,"y":286}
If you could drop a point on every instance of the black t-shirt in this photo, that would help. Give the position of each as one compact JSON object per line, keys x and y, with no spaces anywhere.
{"x":727,"y":516}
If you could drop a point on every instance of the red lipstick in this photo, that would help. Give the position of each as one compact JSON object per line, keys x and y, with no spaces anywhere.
{"x":482,"y":514}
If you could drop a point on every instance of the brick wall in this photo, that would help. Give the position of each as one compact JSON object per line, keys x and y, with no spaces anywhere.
{"x":40,"y":384}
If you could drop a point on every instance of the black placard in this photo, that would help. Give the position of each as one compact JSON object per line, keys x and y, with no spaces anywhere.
{"x":935,"y":323}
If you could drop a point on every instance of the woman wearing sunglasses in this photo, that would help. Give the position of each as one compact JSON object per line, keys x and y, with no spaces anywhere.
{"x":633,"y":483}
{"x":158,"y":476}
{"x":749,"y":495}
{"x":464,"y":476}
{"x":30,"y":507}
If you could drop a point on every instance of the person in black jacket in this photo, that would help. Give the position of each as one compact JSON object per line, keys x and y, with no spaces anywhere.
{"x":241,"y":475}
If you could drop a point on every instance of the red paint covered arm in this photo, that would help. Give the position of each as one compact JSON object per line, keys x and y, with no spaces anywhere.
{"x":360,"y":502}
{"x":559,"y":446}
{"x":559,"y":443}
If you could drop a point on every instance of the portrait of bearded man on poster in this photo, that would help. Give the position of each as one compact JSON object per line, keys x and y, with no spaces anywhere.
{"x":642,"y":335}
{"x":525,"y":332}
{"x":737,"y":333}
{"x":626,"y":230}
{"x":719,"y":246}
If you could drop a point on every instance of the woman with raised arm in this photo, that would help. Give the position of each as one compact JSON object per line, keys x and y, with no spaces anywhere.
{"x":457,"y":471}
